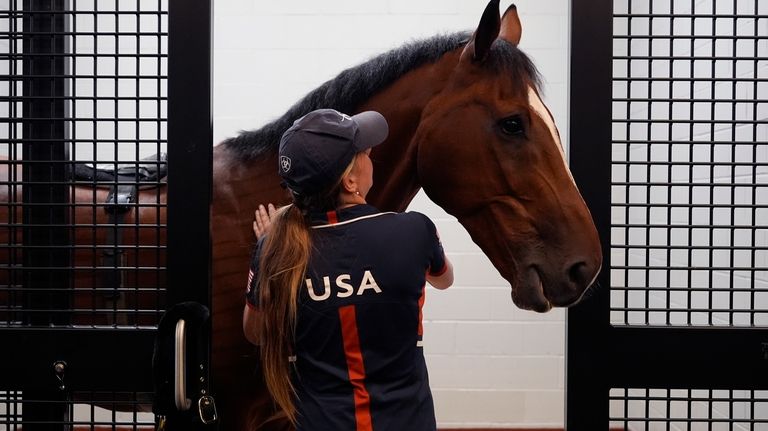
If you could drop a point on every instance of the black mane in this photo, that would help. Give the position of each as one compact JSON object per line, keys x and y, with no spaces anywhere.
{"x":352,"y":87}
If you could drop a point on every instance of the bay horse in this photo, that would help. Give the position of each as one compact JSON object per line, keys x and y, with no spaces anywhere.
{"x":467,"y":125}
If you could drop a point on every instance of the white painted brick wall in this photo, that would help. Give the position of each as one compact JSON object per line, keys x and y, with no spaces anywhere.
{"x":491,"y":364}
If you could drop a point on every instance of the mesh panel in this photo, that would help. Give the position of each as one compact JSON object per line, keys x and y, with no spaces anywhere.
{"x":688,"y":410}
{"x":82,"y":93}
{"x":689,"y":240}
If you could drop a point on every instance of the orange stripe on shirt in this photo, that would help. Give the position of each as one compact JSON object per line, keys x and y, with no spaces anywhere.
{"x":356,"y":367}
{"x":332,"y":218}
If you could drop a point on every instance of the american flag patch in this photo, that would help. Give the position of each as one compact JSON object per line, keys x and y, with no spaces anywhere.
{"x":250,"y":280}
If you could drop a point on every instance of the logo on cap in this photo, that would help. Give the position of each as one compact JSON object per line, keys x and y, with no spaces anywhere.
{"x":285,"y":163}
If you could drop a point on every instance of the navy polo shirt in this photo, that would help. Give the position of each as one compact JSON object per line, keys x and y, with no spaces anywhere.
{"x":359,"y":362}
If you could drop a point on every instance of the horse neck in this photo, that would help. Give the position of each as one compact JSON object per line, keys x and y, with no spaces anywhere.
{"x":396,"y":179}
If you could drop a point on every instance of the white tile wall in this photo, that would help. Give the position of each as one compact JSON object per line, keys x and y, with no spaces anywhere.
{"x":491,"y":365}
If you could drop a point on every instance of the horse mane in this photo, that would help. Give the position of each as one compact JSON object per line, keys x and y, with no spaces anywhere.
{"x":353,"y":86}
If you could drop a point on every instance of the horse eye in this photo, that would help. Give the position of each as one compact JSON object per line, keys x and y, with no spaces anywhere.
{"x":511,"y":125}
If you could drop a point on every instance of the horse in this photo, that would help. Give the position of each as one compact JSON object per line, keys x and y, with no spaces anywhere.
{"x":467,"y":125}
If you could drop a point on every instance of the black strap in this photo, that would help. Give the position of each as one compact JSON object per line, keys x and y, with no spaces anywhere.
{"x":118,"y":204}
{"x":146,"y":173}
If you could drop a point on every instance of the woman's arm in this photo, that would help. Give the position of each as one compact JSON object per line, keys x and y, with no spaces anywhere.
{"x":252,"y":324}
{"x":262,"y":221}
{"x":443,"y":280}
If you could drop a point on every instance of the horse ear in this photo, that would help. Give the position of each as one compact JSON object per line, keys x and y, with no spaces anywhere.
{"x":487,"y":31}
{"x":511,"y":29}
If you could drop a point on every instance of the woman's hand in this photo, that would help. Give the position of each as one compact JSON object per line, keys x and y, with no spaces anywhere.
{"x":262,"y":220}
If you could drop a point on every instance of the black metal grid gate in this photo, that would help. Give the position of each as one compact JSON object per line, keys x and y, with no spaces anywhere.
{"x":87,"y":236}
{"x":669,"y":140}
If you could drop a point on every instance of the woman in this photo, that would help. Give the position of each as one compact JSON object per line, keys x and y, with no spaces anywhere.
{"x":336,"y":287}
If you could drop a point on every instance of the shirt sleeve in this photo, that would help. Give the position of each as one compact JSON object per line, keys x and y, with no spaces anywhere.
{"x":437,"y":265}
{"x":251,"y":289}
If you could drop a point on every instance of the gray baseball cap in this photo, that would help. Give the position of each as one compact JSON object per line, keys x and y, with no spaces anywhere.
{"x":318,"y":147}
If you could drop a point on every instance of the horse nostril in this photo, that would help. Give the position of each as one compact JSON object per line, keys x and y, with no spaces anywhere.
{"x":579,"y":274}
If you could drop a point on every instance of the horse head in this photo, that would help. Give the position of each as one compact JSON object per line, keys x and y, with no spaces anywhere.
{"x":489,"y":153}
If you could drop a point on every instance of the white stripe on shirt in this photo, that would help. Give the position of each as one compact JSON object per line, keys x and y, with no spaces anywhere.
{"x":322,"y":226}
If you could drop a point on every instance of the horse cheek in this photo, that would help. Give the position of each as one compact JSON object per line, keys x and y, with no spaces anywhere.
{"x":449,"y":169}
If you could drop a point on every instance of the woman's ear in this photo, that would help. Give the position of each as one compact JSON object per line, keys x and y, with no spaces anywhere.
{"x":349,"y":182}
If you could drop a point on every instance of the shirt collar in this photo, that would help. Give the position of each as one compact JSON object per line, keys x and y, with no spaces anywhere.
{"x":342,"y":215}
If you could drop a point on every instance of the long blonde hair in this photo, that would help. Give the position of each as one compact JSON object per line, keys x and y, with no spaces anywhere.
{"x":282,"y":267}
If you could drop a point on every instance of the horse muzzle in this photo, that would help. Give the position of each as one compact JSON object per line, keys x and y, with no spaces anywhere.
{"x":529,"y":292}
{"x":539,"y":290}
{"x":567,"y":286}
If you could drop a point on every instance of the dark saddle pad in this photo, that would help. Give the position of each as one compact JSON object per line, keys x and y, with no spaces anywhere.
{"x":146,"y":172}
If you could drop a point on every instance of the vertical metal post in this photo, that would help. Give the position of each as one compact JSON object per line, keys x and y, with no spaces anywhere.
{"x":190,"y":168}
{"x":45,"y":154}
{"x":190,"y":151}
{"x":590,"y":157}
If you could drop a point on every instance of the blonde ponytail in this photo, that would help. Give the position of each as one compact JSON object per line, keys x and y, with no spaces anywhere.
{"x":283,"y":263}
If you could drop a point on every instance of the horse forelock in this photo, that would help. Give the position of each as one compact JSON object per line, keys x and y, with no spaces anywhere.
{"x":508,"y":58}
{"x":347,"y":91}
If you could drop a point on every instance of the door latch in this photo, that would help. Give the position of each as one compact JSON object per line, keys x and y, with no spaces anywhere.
{"x":59,"y":367}
{"x":207,"y":408}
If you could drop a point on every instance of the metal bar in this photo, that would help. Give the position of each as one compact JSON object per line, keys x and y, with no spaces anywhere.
{"x":85,"y":33}
{"x":695,"y":226}
{"x":681,"y":205}
{"x":683,"y":79}
{"x":685,"y":37}
{"x":687,"y":309}
{"x":686,"y":15}
{"x":19,"y":56}
{"x":590,"y":158}
{"x":22,"y":13}
{"x":692,"y":57}
{"x":692,"y":289}
{"x":43,"y":118}
{"x":732,"y":183}
{"x":122,"y":363}
{"x":190,"y":137}
{"x":45,"y":192}
{"x":672,"y":121}
{"x":190,"y":147}
{"x":682,"y":357}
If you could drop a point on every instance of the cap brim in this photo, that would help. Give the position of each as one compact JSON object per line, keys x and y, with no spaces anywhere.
{"x":372,"y":129}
